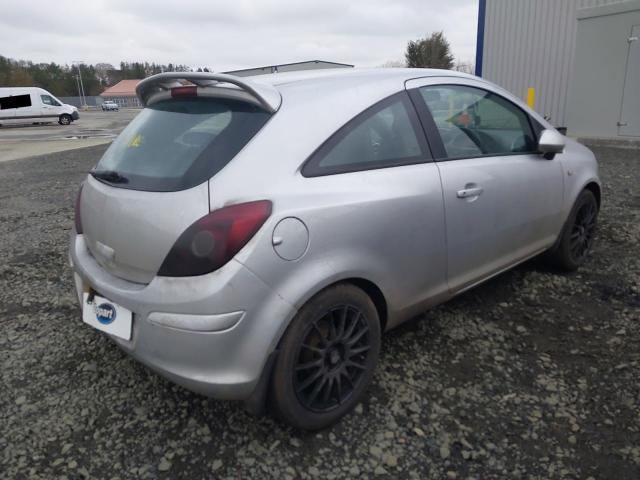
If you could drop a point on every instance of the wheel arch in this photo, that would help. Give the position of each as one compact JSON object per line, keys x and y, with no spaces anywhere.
{"x":594,"y":188}
{"x":371,"y":288}
{"x":374,"y":293}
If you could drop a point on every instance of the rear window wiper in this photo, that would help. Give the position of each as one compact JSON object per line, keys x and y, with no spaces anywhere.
{"x":110,"y":176}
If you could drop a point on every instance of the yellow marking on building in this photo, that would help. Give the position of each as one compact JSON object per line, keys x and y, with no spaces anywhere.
{"x":531,"y":97}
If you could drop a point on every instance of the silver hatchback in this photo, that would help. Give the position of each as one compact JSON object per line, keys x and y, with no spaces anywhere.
{"x":251,"y":239}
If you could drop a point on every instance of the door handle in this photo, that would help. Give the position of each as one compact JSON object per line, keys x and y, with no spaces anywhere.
{"x":469,"y":192}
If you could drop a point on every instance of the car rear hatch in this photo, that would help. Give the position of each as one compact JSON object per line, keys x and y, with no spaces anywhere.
{"x":152,"y":182}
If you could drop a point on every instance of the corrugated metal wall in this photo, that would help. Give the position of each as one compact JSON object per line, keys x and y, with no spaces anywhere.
{"x":531,"y":43}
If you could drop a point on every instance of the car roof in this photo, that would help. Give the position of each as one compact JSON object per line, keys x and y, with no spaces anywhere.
{"x":349,"y":89}
{"x":353,"y":76}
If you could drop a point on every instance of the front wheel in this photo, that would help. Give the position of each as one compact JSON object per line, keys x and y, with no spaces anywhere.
{"x":65,"y":119}
{"x":327,"y":358}
{"x":577,"y":236}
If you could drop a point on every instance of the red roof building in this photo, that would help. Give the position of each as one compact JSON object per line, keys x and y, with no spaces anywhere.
{"x":123,"y":93}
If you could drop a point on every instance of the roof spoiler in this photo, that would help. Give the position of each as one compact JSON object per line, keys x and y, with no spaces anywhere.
{"x":267,"y":96}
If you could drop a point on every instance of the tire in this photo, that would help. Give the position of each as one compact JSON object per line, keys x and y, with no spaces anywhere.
{"x":65,"y":119}
{"x":577,"y":235}
{"x":326,"y":358}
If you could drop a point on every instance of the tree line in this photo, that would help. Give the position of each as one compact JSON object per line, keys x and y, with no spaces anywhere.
{"x":62,"y":80}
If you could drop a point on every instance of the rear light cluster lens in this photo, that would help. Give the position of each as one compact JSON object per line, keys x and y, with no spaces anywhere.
{"x":215,"y":239}
{"x":78,"y":221}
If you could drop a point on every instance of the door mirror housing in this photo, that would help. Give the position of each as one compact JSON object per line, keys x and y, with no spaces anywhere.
{"x":550,"y":143}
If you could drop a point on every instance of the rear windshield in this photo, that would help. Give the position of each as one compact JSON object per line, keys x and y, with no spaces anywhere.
{"x":178,"y":144}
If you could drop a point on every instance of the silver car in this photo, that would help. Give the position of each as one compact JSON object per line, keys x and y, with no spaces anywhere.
{"x":251,"y":239}
{"x":108,"y":105}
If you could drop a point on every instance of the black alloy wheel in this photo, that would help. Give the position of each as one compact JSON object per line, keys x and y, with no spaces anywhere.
{"x":582,"y":231}
{"x":332,"y":358}
{"x":326,"y":358}
{"x":576,"y":239}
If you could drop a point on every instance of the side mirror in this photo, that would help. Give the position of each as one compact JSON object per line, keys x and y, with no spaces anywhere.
{"x":550,"y":143}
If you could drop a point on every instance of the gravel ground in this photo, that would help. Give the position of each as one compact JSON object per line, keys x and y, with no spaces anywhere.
{"x":532,"y":375}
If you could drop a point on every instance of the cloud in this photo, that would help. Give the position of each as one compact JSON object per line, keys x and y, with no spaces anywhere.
{"x":231,"y":34}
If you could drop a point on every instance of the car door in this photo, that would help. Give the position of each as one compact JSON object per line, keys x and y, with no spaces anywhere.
{"x":382,"y":205}
{"x":502,"y":199}
{"x":49,"y":106}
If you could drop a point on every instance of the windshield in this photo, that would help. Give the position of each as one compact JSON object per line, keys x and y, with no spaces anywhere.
{"x":178,"y":144}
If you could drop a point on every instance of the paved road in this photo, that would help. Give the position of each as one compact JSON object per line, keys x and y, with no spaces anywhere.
{"x":533,"y":375}
{"x":93,"y":128}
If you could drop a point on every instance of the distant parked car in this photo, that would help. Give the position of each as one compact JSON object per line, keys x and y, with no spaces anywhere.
{"x":110,"y":105}
{"x":33,"y":105}
{"x":252,"y":239}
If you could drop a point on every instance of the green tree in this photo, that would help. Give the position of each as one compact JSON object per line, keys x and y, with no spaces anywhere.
{"x":61,"y":80}
{"x":431,"y":52}
{"x":20,"y":78}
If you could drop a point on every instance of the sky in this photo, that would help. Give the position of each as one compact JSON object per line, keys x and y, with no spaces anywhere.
{"x":231,"y":34}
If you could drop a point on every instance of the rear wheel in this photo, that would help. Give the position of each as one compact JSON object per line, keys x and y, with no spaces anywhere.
{"x":64,"y":119}
{"x":327,"y":358}
{"x":578,"y":234}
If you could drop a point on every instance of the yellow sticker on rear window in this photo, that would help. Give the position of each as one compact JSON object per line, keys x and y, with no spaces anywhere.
{"x":136,"y":141}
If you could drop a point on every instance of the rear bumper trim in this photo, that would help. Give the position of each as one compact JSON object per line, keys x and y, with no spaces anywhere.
{"x":196,"y":323}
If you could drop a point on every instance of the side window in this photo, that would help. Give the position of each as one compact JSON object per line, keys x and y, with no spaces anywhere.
{"x":49,"y":100}
{"x":384,"y":135}
{"x":46,"y":99}
{"x":16,"y":101}
{"x":474,"y":122}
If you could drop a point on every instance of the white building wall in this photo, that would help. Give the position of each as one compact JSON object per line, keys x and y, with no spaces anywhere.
{"x":531,"y":43}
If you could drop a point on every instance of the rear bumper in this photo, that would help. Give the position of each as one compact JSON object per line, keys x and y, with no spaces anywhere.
{"x":211,"y":334}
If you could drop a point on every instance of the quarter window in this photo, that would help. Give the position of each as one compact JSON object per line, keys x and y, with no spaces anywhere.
{"x":474,"y":122}
{"x":385,"y":135}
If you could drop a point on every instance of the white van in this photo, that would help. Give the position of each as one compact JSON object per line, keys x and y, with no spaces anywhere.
{"x":33,"y":105}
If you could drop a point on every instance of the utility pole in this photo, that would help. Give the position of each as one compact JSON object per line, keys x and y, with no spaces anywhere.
{"x":78,"y":85}
{"x":78,"y":63}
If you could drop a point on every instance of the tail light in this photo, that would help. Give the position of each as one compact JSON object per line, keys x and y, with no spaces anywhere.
{"x":214,"y":239}
{"x":78,"y":221}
